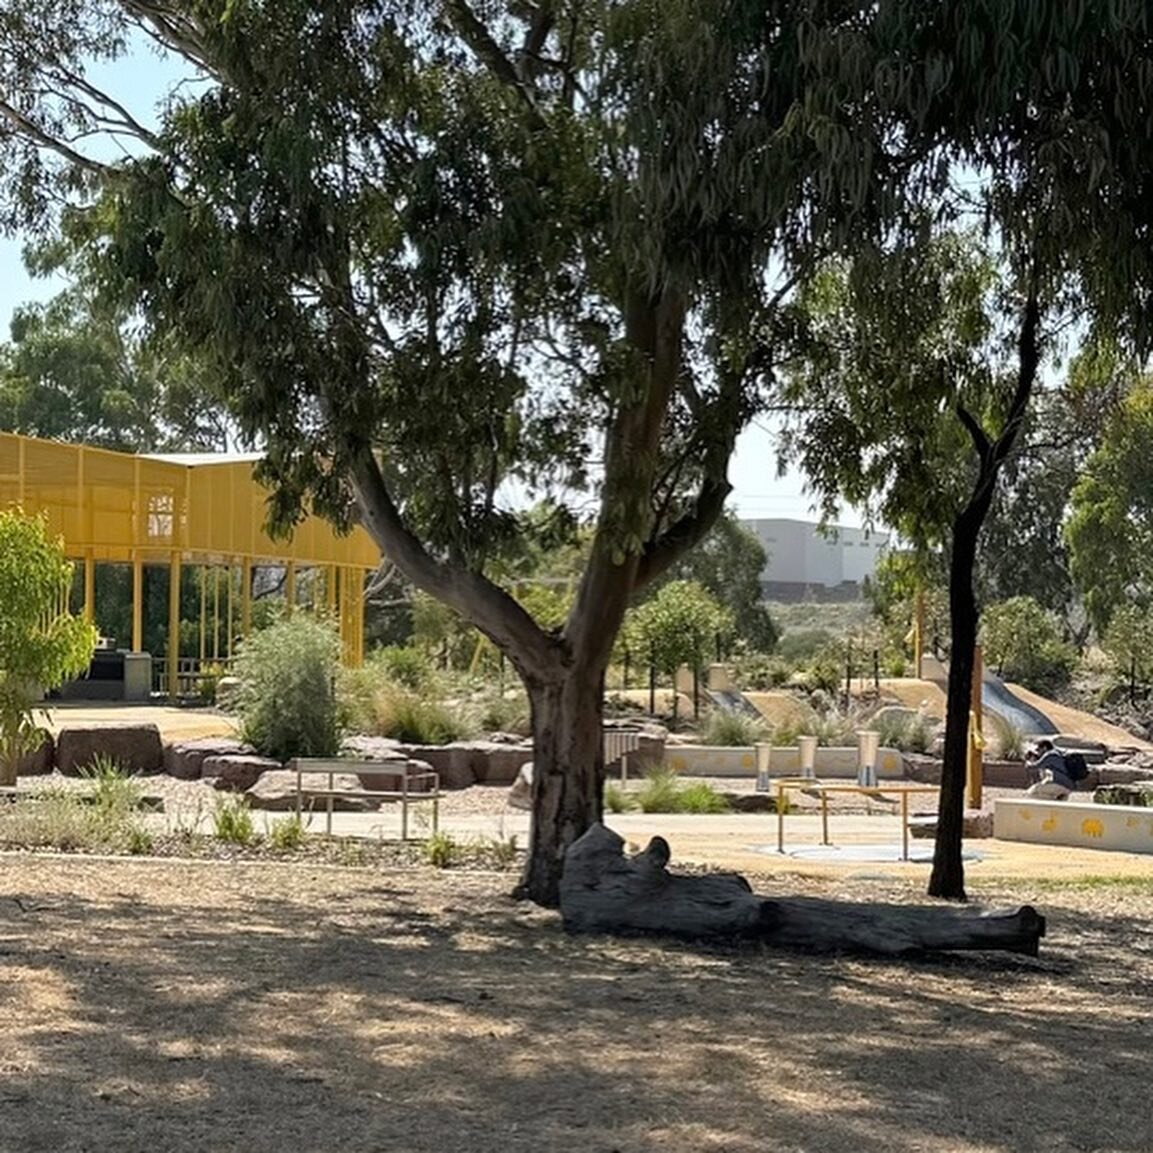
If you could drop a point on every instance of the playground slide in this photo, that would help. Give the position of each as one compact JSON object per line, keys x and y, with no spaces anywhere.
{"x":733,"y":701}
{"x":998,"y":698}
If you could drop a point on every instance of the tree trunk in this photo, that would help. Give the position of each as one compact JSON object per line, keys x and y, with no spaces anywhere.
{"x":604,"y":891}
{"x":948,"y":876}
{"x":568,"y":777}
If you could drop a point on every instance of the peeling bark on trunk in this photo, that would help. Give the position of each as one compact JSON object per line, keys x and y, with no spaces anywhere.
{"x":568,"y":778}
{"x":604,"y":891}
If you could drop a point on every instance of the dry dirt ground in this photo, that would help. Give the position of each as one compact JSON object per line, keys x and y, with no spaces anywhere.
{"x":206,"y":1007}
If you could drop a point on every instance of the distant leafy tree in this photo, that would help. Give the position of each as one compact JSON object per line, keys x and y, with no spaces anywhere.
{"x":1022,"y":641}
{"x":74,"y":372}
{"x":1110,"y":526}
{"x":41,"y":644}
{"x":1129,"y":641}
{"x":729,"y":562}
{"x":675,"y":626}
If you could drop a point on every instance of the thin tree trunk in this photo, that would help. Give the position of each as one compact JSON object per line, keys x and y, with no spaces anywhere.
{"x":568,"y":777}
{"x":948,"y":875}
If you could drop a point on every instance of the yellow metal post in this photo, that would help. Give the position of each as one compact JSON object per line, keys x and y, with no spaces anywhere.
{"x":231,"y":617}
{"x":216,"y":612}
{"x":245,"y":597}
{"x":89,"y":586}
{"x":137,"y":605}
{"x":919,"y":632}
{"x":290,"y":584}
{"x":976,"y":772}
{"x":203,"y":614}
{"x":174,"y":626}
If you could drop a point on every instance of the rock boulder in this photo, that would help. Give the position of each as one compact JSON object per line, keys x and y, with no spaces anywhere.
{"x":135,"y":748}
{"x":184,"y":760}
{"x":237,"y":772}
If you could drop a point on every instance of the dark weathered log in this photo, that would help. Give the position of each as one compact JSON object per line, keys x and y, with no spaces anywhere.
{"x":604,"y":891}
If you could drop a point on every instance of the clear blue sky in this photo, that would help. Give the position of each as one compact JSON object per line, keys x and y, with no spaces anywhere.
{"x":144,"y":79}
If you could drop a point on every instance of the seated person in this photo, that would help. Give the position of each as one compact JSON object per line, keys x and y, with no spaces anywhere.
{"x":1047,"y":766}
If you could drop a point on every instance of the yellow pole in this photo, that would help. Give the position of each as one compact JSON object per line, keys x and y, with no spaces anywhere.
{"x":203,"y":613}
{"x":216,"y":612}
{"x":919,"y":632}
{"x":174,"y":625}
{"x":245,"y":597}
{"x":137,"y":604}
{"x":290,"y":584}
{"x":89,"y":586}
{"x":231,"y":614}
{"x":976,"y":772}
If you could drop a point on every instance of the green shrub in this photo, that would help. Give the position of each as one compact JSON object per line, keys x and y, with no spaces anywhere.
{"x":505,"y":713}
{"x":616,"y":799}
{"x":1022,"y":641}
{"x":404,"y":665}
{"x":663,"y":792}
{"x":416,"y":719}
{"x":232,"y":820}
{"x":1010,"y":739}
{"x":286,"y":833}
{"x":70,"y":820}
{"x":731,"y":728}
{"x":701,"y":797}
{"x":441,"y":850}
{"x":287,"y":700}
{"x":138,"y":841}
{"x":799,"y":646}
{"x":659,"y":792}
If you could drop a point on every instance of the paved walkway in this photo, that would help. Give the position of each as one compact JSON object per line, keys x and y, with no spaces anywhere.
{"x":747,"y":843}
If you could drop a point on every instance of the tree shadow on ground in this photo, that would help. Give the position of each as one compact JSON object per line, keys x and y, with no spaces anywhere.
{"x":215,"y":1008}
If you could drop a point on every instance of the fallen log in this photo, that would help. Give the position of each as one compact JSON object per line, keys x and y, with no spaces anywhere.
{"x":603,"y":891}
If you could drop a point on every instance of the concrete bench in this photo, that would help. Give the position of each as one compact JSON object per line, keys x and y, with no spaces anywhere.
{"x":413,"y":785}
{"x":1124,"y":828}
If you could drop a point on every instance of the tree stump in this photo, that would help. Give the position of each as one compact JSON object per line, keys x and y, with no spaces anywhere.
{"x":604,"y":891}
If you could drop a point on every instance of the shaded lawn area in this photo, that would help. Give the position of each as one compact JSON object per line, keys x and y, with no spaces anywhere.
{"x":212,"y":1007}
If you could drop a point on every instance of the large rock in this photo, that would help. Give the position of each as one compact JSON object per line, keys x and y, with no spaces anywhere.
{"x":418,"y":779}
{"x":1122,"y":773}
{"x":41,"y":760}
{"x":184,"y":760}
{"x":237,"y":772}
{"x":276,"y":791}
{"x":135,"y":748}
{"x":373,"y":748}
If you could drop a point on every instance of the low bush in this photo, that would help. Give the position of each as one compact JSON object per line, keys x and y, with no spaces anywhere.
{"x":287,"y":700}
{"x":417,"y":719}
{"x":701,"y":797}
{"x":232,"y":821}
{"x":663,"y":792}
{"x":441,"y":850}
{"x":616,"y":799}
{"x":287,"y":833}
{"x":730,"y":728}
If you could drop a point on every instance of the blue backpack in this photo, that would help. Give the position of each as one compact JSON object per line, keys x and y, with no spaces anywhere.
{"x":1076,"y":767}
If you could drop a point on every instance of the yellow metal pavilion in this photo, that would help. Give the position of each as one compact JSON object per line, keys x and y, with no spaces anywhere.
{"x":192,"y":509}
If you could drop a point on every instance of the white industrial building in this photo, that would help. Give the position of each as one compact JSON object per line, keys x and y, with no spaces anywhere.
{"x":805,"y":563}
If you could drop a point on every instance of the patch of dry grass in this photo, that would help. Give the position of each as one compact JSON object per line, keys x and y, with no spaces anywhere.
{"x":251,"y":1006}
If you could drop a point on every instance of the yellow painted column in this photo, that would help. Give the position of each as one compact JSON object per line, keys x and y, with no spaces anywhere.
{"x":21,"y":468}
{"x":203,"y":614}
{"x":245,"y":597}
{"x":290,"y":584}
{"x":919,"y":633}
{"x":89,"y":585}
{"x":330,"y":578}
{"x":976,"y":773}
{"x":216,"y":612}
{"x":174,"y":625}
{"x":137,"y":604}
{"x":231,"y":616}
